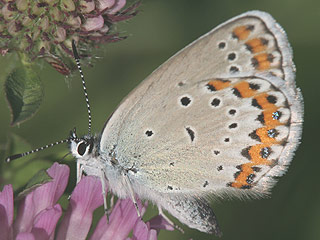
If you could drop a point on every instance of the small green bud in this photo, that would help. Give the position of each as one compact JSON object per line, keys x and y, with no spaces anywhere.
{"x":8,"y":12}
{"x":67,"y":5}
{"x":22,"y":5}
{"x":44,"y":24}
{"x":87,"y":6}
{"x":56,"y":14}
{"x":60,"y":34}
{"x":74,"y":21}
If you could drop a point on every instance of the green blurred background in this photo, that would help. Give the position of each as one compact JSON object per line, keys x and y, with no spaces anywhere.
{"x":161,"y":29}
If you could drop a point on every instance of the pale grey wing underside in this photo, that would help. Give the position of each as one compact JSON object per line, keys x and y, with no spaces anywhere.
{"x":191,"y":126}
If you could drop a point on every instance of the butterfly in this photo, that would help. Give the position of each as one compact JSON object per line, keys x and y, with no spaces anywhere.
{"x":222,"y":117}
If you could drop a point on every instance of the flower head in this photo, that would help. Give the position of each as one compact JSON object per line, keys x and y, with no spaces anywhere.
{"x":39,"y":213}
{"x":45,"y":28}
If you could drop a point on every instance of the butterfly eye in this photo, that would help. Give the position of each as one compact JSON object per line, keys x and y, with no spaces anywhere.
{"x":82,"y":147}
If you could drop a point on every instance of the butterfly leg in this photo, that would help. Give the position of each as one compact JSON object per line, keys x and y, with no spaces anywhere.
{"x":131,"y":192}
{"x":79,"y":171}
{"x":103,"y":184}
{"x":161,"y":213}
{"x":196,"y":213}
{"x":111,"y":201}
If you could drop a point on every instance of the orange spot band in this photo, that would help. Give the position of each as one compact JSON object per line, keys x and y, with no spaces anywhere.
{"x":219,"y":84}
{"x":256,"y":157}
{"x":245,"y":90}
{"x":264,"y":103}
{"x":262,"y":61}
{"x":264,"y":137}
{"x":241,"y":180}
{"x":241,"y":32}
{"x":256,"y":45}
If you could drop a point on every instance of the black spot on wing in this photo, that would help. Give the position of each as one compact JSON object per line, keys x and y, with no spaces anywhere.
{"x":232,"y":111}
{"x":231,"y":56}
{"x":191,"y":133}
{"x":210,"y":87}
{"x":149,"y":133}
{"x":245,"y":153}
{"x":256,"y":169}
{"x":236,"y":92}
{"x":255,"y":103}
{"x":215,"y":102}
{"x":254,"y":86}
{"x":221,"y":45}
{"x":272,"y":99}
{"x":260,"y":118}
{"x":220,"y":168}
{"x":234,"y":69}
{"x":254,"y":136}
{"x":233,"y":125}
{"x":185,"y":101}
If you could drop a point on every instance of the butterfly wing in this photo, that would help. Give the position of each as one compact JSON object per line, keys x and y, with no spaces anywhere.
{"x":223,"y":115}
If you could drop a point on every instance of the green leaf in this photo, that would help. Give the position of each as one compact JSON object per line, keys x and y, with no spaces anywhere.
{"x":7,"y":63}
{"x":37,"y":180}
{"x":24,"y":93}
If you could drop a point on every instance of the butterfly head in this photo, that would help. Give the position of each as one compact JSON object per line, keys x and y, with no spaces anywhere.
{"x":82,"y":148}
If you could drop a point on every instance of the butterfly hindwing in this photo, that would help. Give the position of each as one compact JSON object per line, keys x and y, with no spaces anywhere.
{"x":195,"y":213}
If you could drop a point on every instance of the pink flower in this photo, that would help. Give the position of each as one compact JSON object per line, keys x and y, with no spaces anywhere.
{"x":39,"y":213}
{"x":46,"y":29}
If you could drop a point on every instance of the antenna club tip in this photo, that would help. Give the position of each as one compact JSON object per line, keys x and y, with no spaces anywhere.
{"x":13,"y":157}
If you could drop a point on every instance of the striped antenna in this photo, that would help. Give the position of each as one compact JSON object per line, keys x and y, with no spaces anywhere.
{"x":13,"y":157}
{"x":77,"y":58}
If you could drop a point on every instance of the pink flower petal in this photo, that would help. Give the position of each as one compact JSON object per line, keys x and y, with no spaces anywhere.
{"x":122,"y":219}
{"x":42,"y":197}
{"x":159,"y":222}
{"x":100,"y":228}
{"x":103,"y":4}
{"x":93,"y":24}
{"x":25,"y":236}
{"x":6,"y":200}
{"x":86,"y":197}
{"x":140,"y":231}
{"x":45,"y":222}
{"x":153,"y":235}
{"x":5,"y":229}
{"x":119,"y":4}
{"x":149,"y":230}
{"x":6,"y":212}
